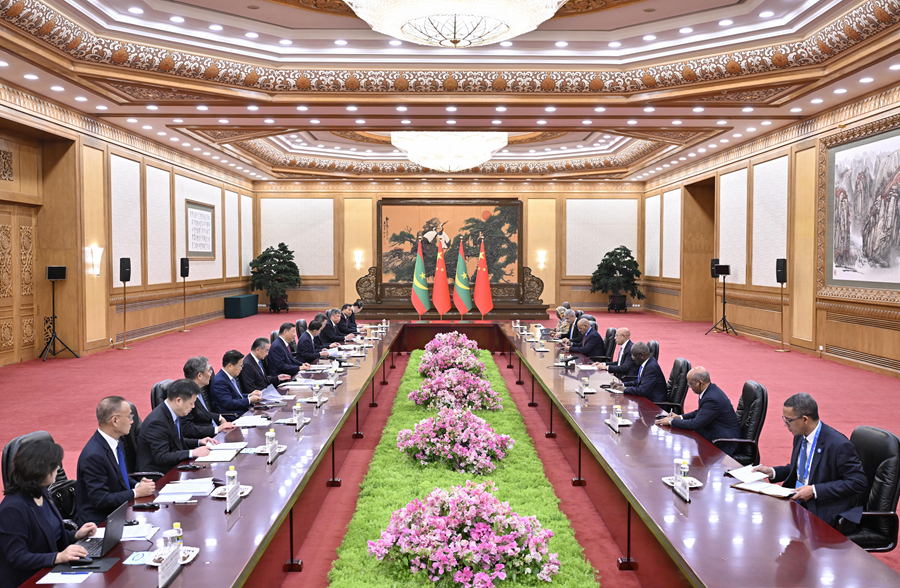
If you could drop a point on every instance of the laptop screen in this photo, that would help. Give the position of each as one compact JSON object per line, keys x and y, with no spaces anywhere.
{"x":115,"y":526}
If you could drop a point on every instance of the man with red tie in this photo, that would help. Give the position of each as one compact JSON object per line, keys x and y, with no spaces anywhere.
{"x":225,"y":390}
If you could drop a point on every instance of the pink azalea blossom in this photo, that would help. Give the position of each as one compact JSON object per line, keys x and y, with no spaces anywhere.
{"x":456,"y":388}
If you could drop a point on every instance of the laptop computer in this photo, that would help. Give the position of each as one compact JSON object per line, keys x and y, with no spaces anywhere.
{"x":115,"y":526}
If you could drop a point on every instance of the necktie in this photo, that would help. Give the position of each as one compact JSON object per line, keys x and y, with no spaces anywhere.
{"x":619,"y":358}
{"x":203,"y":402}
{"x":640,"y":371}
{"x":801,"y":471}
{"x":121,"y":454}
{"x":234,"y":383}
{"x":178,"y":426}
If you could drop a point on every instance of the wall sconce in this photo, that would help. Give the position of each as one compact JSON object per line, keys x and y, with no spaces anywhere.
{"x":358,"y":257}
{"x":542,"y":258}
{"x":93,"y":255}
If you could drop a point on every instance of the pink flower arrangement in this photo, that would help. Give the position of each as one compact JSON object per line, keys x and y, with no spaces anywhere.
{"x":452,"y":340}
{"x":445,"y":358}
{"x":456,"y":388}
{"x":463,"y":441}
{"x":466,"y":536}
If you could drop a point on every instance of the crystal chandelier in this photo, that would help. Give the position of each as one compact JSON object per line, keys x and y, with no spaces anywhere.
{"x":455,"y":23}
{"x":448,"y":152}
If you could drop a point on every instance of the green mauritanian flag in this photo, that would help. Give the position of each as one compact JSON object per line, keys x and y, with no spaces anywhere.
{"x":420,"y":297}
{"x":462,"y":291}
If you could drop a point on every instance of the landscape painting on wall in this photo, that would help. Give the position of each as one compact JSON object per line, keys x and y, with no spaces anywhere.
{"x":451,"y":224}
{"x":864,"y":212}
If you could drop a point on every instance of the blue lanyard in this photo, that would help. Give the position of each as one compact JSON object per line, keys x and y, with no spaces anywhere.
{"x":812,"y":452}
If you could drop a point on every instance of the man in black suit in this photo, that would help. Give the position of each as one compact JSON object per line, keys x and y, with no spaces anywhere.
{"x":202,"y":421}
{"x":225,"y":389}
{"x":306,"y":346}
{"x":825,"y":468}
{"x":571,"y":334}
{"x":321,"y":318}
{"x":102,"y":484}
{"x":591,"y":344}
{"x":354,"y":310}
{"x":280,"y":359}
{"x":623,"y":365}
{"x":714,"y":419}
{"x":651,"y":382}
{"x":255,"y":375}
{"x":347,"y":324}
{"x":331,"y":334}
{"x":161,"y":445}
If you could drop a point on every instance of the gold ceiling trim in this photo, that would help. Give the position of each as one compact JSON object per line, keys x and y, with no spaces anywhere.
{"x":367,"y":137}
{"x":860,"y":23}
{"x":570,"y":8}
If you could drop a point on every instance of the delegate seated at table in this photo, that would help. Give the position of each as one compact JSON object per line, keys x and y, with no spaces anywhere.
{"x":202,"y":421}
{"x":225,"y":389}
{"x":255,"y":372}
{"x":651,"y":383}
{"x":306,"y":346}
{"x":281,"y":360}
{"x":591,"y":344}
{"x":623,"y":365}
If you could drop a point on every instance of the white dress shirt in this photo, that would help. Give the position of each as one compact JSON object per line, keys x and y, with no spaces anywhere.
{"x":114,"y":446}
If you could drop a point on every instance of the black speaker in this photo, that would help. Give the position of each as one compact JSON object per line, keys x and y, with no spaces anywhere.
{"x":722,"y":270}
{"x":56,"y":272}
{"x":712,"y":267}
{"x":124,"y":269}
{"x":185,"y":267}
{"x":781,"y":271}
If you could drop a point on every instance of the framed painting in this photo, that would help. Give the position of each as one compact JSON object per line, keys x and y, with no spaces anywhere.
{"x":200,"y":230}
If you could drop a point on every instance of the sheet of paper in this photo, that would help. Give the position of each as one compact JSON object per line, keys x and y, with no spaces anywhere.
{"x":138,"y":558}
{"x":271,"y":394}
{"x":131,"y":532}
{"x":317,"y":367}
{"x":301,"y":383}
{"x":218,"y":456}
{"x":173,"y":497}
{"x":586,"y":367}
{"x":746,"y":474}
{"x":765,"y":488}
{"x":236,"y":445}
{"x":200,"y":487}
{"x":251,"y":421}
{"x":288,"y":397}
{"x":64,"y":578}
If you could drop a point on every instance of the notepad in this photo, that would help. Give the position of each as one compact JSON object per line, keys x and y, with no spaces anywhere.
{"x":218,"y":456}
{"x":236,"y":445}
{"x":761,"y":487}
{"x":64,"y":578}
{"x":747,"y":475}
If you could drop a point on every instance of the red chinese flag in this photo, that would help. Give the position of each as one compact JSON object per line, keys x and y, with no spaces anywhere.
{"x":441,"y":295}
{"x":483,"y":299}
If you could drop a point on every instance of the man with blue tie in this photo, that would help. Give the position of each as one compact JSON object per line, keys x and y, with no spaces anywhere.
{"x":225,"y":390}
{"x":202,"y":421}
{"x":102,"y":484}
{"x":825,"y":468}
{"x":651,"y":383}
{"x":161,"y":445}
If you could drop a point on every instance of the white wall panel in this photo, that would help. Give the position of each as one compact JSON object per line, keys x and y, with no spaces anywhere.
{"x":191,"y":189}
{"x":595,"y":227}
{"x":671,"y":261}
{"x":232,"y":241}
{"x":306,"y":225}
{"x":159,"y":226}
{"x":125,"y":196}
{"x":770,"y":211}
{"x":733,"y":224}
{"x":651,"y":236}
{"x":246,"y":234}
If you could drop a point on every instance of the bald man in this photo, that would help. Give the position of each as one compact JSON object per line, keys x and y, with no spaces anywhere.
{"x":624,"y":364}
{"x":714,"y":419}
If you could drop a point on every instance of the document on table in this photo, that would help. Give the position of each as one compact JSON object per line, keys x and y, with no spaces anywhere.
{"x":251,"y":421}
{"x":144,"y":531}
{"x":172,"y":497}
{"x":195,"y":487}
{"x":64,"y":578}
{"x":236,"y":445}
{"x":765,"y":488}
{"x":586,"y":367}
{"x":317,"y":367}
{"x":218,"y":456}
{"x":746,"y":474}
{"x":303,"y":383}
{"x":271,"y":394}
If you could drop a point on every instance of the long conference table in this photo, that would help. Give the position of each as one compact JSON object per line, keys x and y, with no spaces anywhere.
{"x":723,"y":538}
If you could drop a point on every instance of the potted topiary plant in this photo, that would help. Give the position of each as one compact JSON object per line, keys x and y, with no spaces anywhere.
{"x":274,"y":271}
{"x":617,"y":276}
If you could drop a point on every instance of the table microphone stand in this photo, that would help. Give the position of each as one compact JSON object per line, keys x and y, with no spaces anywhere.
{"x":725,"y":325}
{"x":782,"y":350}
{"x":51,"y":343}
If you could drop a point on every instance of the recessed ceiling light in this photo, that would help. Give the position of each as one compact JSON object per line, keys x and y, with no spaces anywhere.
{"x":562,"y":44}
{"x":600,"y":109}
{"x":3,"y":64}
{"x":751,"y":129}
{"x":146,"y":127}
{"x":396,"y":151}
{"x":405,"y":122}
{"x":541,"y":122}
{"x":351,"y":108}
{"x":676,"y":122}
{"x":57,"y":88}
{"x":80,"y":99}
{"x":692,"y":154}
{"x":223,"y":120}
{"x":30,"y":77}
{"x":268,"y":121}
{"x":337,"y":147}
{"x":894,"y":67}
{"x":587,"y":122}
{"x":496,"y":122}
{"x":682,"y":159}
{"x":607,"y":137}
{"x":701,"y":150}
{"x":360,"y":122}
{"x":152,"y":107}
{"x":395,"y":43}
{"x":401,"y":109}
{"x":615,"y":44}
{"x":796,"y":109}
{"x":506,"y":43}
{"x":547,"y":149}
{"x":737,"y":135}
{"x":185,"y":144}
{"x":451,"y":109}
{"x":698,"y":109}
{"x":215,"y":27}
{"x":649,"y":109}
{"x":177,"y":120}
{"x":285,"y":42}
{"x":766,"y":14}
{"x":302,"y":108}
{"x":723,"y":141}
{"x":131,"y":120}
{"x":725,"y":23}
{"x":196,"y":149}
{"x":368,"y":150}
{"x":177,"y":19}
{"x":712,"y":145}
{"x":721,"y":122}
{"x":101,"y":107}
{"x":632,"y":122}
{"x":202,"y":108}
{"x":340,"y":42}
{"x":253,"y":108}
{"x":451,"y":122}
{"x":747,"y":109}
{"x":649,"y":37}
{"x":816,"y":100}
{"x":314,"y":121}
{"x":866,"y":80}
{"x":320,"y":146}
{"x":840,"y":91}
{"x":563,"y":148}
{"x":685,"y":30}
{"x":550,"y":109}
{"x":251,"y":35}
{"x":531,"y":150}
{"x":135,"y":11}
{"x":766,"y":123}
{"x":665,"y":165}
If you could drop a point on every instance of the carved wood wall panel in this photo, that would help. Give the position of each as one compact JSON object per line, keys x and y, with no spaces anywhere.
{"x":6,"y":165}
{"x":6,"y":261}
{"x":17,"y":283}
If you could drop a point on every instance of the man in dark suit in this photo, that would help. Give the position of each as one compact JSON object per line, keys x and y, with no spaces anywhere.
{"x":651,"y":382}
{"x":280,"y":359}
{"x":225,"y":389}
{"x":572,"y":334}
{"x":591,"y":343}
{"x":344,"y":326}
{"x":825,"y":468}
{"x":306,"y":346}
{"x":255,"y":374}
{"x":331,"y":333}
{"x":354,"y":310}
{"x":714,"y":419}
{"x":161,"y":445}
{"x":624,"y":364}
{"x":202,"y":421}
{"x":102,"y":484}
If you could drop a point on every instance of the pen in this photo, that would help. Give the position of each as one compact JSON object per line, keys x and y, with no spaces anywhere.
{"x":185,"y":502}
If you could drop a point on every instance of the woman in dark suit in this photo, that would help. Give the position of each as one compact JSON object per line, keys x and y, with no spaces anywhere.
{"x":32,"y":535}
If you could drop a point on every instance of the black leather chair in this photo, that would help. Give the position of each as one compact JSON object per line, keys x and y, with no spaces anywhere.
{"x":654,"y":349}
{"x":589,"y":317}
{"x":879,"y":451}
{"x":676,"y":387}
{"x":593,"y":324}
{"x":301,"y":327}
{"x":159,"y":392}
{"x":609,"y":345}
{"x":578,"y":314}
{"x":129,"y":446}
{"x":751,"y":414}
{"x":12,"y":448}
{"x":273,"y":336}
{"x":62,"y":490}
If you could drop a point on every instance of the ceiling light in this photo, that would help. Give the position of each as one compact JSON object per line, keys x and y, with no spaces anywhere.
{"x":796,"y":109}
{"x":766,"y":123}
{"x":840,"y":91}
{"x":721,"y":122}
{"x":336,"y":147}
{"x":505,"y":151}
{"x":698,"y":109}
{"x":223,"y":121}
{"x":405,"y":122}
{"x":146,"y":127}
{"x":563,"y":148}
{"x":351,"y":108}
{"x":268,"y":121}
{"x":185,"y":144}
{"x":615,"y":44}
{"x":395,"y":43}
{"x":57,"y":88}
{"x":746,"y":109}
{"x":285,"y":42}
{"x":454,"y":23}
{"x":723,"y":140}
{"x":451,"y":122}
{"x":102,"y":107}
{"x":737,"y":135}
{"x":3,"y":64}
{"x":161,"y":133}
{"x":451,"y":109}
{"x":340,"y":42}
{"x":215,"y":27}
{"x":607,"y":137}
{"x":152,"y":107}
{"x":866,"y":80}
{"x":561,"y":44}
{"x":894,"y":67}
{"x":449,"y":152}
{"x":599,"y":109}
{"x":302,"y":108}
{"x":206,"y":153}
{"x":682,"y":159}
{"x":712,"y":145}
{"x":665,"y":165}
{"x":725,"y":23}
{"x":360,"y":122}
{"x":531,"y":150}
{"x":550,"y":109}
{"x":251,"y":35}
{"x":587,"y":122}
{"x":506,"y":44}
{"x":314,"y":121}
{"x":176,"y":19}
{"x":649,"y":109}
{"x":692,"y":154}
{"x":649,"y":37}
{"x":547,"y":149}
{"x":202,"y":108}
{"x":685,"y":30}
{"x":701,"y":150}
{"x":676,"y":122}
{"x":751,"y":129}
{"x":632,"y":122}
{"x":766,"y":14}
{"x":135,"y":11}
{"x":496,"y":122}
{"x":131,"y":120}
{"x":196,"y":149}
{"x":177,"y":120}
{"x":816,"y":100}
{"x":80,"y":99}
{"x":541,"y":122}
{"x":30,"y":77}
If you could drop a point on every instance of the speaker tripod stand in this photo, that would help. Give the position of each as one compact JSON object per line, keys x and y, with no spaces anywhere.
{"x":50,"y":348}
{"x":723,"y":326}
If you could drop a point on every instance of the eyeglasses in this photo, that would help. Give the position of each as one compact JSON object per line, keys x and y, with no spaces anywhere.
{"x":788,"y":421}
{"x":122,"y":416}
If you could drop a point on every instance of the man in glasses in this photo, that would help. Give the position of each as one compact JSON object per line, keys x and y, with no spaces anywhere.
{"x":103,"y":483}
{"x":825,"y":468}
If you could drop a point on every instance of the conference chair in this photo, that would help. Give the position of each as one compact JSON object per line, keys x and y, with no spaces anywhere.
{"x":578,"y":314}
{"x":609,"y":345}
{"x":129,"y":446}
{"x":301,"y":327}
{"x":158,"y":392}
{"x":589,"y":317}
{"x":273,"y":336}
{"x":676,"y":387}
{"x":654,"y":349}
{"x":879,"y":451}
{"x":62,"y":490}
{"x":751,"y":414}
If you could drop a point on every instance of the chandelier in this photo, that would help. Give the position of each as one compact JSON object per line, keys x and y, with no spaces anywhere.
{"x":448,"y":152}
{"x":455,"y":23}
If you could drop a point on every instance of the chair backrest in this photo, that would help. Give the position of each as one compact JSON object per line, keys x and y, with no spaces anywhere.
{"x":301,"y":327}
{"x":654,"y":349}
{"x":159,"y":392}
{"x":589,"y":317}
{"x":751,"y":413}
{"x":273,"y":336}
{"x":609,"y":342}
{"x":879,"y":451}
{"x":12,"y":448}
{"x":129,"y":441}
{"x":593,"y":325}
{"x":578,"y":314}
{"x":676,"y":387}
